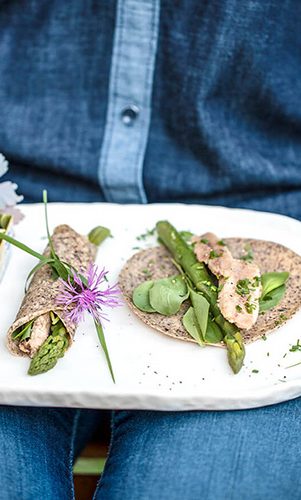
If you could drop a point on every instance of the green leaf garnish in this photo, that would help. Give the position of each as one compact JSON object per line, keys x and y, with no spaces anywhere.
{"x":167,"y":294}
{"x":141,"y":296}
{"x":24,"y":332}
{"x":191,"y":326}
{"x":201,"y":310}
{"x":271,"y":281}
{"x":272,"y":299}
{"x":273,"y":289}
{"x":214,"y":335}
{"x":98,"y":234}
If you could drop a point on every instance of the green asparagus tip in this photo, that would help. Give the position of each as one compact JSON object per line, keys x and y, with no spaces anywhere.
{"x":236,"y":351}
{"x":53,"y":348}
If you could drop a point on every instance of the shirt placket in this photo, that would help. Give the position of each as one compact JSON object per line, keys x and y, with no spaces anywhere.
{"x":129,"y":104}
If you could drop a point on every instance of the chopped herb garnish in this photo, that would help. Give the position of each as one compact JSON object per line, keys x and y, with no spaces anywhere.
{"x":264,"y":337}
{"x":257,"y":281}
{"x":213,"y":255}
{"x":245,"y":286}
{"x":238,"y":308}
{"x":250,"y":307}
{"x":296,"y":347}
{"x":255,"y":371}
{"x":147,"y":234}
{"x":281,"y":319}
{"x":221,"y":243}
{"x":205,"y":241}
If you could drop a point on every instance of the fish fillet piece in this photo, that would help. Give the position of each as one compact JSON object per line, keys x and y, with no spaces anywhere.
{"x":239,"y":281}
{"x":39,"y":333}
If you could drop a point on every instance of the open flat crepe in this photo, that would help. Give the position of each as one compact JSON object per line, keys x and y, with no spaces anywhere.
{"x":155,"y":263}
{"x":40,"y":297}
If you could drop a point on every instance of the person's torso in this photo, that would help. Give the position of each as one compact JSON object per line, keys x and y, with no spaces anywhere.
{"x":219,"y":80}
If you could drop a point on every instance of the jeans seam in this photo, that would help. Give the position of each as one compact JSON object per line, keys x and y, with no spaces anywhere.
{"x":99,"y":483}
{"x":71,"y":453}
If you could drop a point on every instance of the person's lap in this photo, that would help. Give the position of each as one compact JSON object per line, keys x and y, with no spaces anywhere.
{"x":251,"y":454}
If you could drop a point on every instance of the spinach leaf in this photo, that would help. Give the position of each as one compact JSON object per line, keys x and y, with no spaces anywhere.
{"x":23,"y":332}
{"x":271,"y":281}
{"x":272,"y":299}
{"x":167,"y":295}
{"x":214,"y":334}
{"x":141,"y":296}
{"x":191,"y":325}
{"x":201,"y":310}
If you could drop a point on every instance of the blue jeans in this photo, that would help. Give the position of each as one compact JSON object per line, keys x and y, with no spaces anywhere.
{"x":237,"y":455}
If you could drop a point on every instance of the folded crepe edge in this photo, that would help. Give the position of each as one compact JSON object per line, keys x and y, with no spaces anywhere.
{"x":14,"y":347}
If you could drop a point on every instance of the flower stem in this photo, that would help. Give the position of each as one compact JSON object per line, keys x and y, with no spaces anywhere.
{"x":102,"y":341}
{"x":53,"y":254}
{"x":23,"y":247}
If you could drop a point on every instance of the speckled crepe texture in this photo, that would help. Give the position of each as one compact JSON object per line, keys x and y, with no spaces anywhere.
{"x":268,"y":255}
{"x":40,"y":298}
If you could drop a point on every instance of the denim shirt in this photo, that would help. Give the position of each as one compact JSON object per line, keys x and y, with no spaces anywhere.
{"x":139,"y":101}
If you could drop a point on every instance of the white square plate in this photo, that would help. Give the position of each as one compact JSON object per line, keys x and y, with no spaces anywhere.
{"x":152,"y":371}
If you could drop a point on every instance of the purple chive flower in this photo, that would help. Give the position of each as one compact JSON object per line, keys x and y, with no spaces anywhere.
{"x":78,"y":297}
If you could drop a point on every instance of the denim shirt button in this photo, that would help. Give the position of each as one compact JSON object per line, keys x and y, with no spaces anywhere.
{"x":129,"y":114}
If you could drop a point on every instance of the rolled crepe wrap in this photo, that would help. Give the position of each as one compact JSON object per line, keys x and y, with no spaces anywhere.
{"x":40,"y":297}
{"x":270,"y":257}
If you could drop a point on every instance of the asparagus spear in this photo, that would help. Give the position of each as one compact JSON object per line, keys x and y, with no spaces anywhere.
{"x":201,"y":279}
{"x":50,"y":351}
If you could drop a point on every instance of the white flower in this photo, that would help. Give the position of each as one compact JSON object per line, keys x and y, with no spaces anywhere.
{"x":3,"y":165}
{"x":8,"y":196}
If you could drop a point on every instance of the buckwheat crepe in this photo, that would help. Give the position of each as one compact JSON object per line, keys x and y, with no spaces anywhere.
{"x":156,"y":263}
{"x":40,"y":297}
